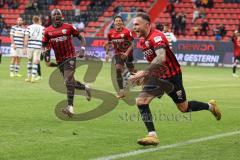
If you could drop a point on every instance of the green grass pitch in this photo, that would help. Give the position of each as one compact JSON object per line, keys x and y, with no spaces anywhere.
{"x":30,"y":130}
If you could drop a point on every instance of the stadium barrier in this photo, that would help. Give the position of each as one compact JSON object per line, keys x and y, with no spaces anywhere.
{"x":203,"y":53}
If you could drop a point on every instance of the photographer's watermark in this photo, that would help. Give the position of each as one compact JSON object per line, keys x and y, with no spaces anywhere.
{"x":109,"y":100}
{"x":156,"y":116}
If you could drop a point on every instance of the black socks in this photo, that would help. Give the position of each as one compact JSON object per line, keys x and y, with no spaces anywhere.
{"x":146,"y":117}
{"x":197,"y":106}
{"x":119,"y":78}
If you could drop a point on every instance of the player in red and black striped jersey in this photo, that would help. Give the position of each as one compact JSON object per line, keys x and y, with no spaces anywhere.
{"x":122,"y":41}
{"x":236,"y":51}
{"x":162,"y":75}
{"x":59,"y":37}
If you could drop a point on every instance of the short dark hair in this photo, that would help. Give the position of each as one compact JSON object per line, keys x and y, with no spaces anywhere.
{"x":144,"y":16}
{"x":117,"y":17}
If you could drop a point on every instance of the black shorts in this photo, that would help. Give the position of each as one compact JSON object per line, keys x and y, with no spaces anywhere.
{"x":67,"y":67}
{"x":128,"y":61}
{"x":237,"y":58}
{"x":178,"y":94}
{"x":173,"y":87}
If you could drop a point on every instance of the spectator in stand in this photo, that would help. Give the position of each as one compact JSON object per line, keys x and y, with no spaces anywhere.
{"x":140,"y":10}
{"x":173,"y":20}
{"x":195,"y":15}
{"x":35,"y":5}
{"x":32,"y":5}
{"x":76,"y":2}
{"x":159,"y":26}
{"x":170,"y":8}
{"x":2,"y":25}
{"x":4,"y":28}
{"x":216,"y":33}
{"x":210,"y":4}
{"x":15,"y":4}
{"x":117,"y":9}
{"x":238,"y":28}
{"x":197,"y":3}
{"x":195,"y":30}
{"x":222,"y":30}
{"x":9,"y":3}
{"x":133,"y":9}
{"x":204,"y":3}
{"x":202,"y":13}
{"x":52,"y":2}
{"x":177,"y":24}
{"x":183,"y":23}
{"x":204,"y":27}
{"x":2,"y":2}
{"x":29,"y":5}
{"x":77,"y":12}
{"x":47,"y":21}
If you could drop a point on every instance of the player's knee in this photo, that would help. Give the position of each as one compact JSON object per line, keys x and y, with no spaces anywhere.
{"x":183,"y":107}
{"x":141,"y":101}
{"x":119,"y":67}
{"x":69,"y":83}
{"x":183,"y":110}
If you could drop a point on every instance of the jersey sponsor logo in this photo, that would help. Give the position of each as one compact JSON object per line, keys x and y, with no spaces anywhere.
{"x":59,"y":39}
{"x":122,"y":35}
{"x":157,"y":39}
{"x":118,"y":40}
{"x":179,"y":94}
{"x":147,"y":44}
{"x":64,"y":31}
{"x":148,"y":52}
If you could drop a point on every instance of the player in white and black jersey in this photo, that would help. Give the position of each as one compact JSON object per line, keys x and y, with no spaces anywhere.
{"x":17,"y":35}
{"x":169,"y":35}
{"x":33,"y":43}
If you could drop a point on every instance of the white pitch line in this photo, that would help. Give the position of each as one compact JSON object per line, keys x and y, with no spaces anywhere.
{"x":192,"y":141}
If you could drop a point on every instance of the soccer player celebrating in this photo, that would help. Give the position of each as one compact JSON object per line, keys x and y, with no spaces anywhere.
{"x":162,"y":75}
{"x":122,"y":41}
{"x":59,"y":35}
{"x":33,"y":42}
{"x":17,"y":35}
{"x":236,"y":52}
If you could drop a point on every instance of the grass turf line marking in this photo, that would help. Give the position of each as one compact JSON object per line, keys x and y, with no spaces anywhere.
{"x":192,"y":141}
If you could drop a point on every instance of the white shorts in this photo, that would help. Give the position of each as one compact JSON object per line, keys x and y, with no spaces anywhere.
{"x":34,"y":54}
{"x":18,"y":52}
